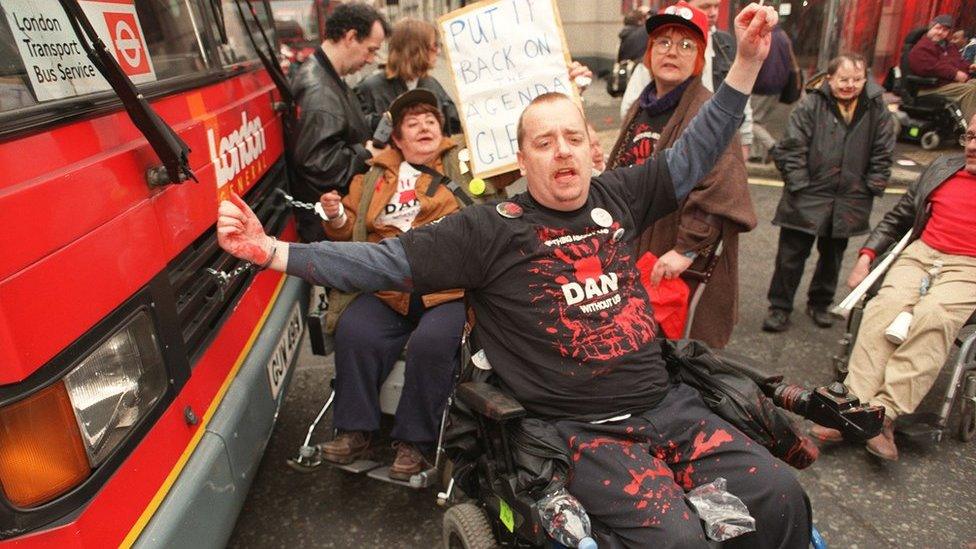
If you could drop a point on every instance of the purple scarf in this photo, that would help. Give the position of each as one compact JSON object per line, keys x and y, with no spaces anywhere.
{"x":654,"y":105}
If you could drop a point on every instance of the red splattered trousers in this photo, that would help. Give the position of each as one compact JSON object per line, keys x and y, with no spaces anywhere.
{"x":632,"y":475}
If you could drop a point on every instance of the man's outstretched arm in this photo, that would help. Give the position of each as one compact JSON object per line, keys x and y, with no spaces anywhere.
{"x":348,"y":266}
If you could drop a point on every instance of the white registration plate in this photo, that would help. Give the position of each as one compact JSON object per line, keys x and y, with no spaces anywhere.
{"x":285,"y":351}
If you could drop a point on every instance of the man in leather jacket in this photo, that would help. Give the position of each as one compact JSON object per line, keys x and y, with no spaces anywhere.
{"x":933,"y":279}
{"x":331,"y":144}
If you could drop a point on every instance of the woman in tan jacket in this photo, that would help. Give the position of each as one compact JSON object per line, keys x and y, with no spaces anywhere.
{"x":719,"y":208}
{"x":403,"y":189}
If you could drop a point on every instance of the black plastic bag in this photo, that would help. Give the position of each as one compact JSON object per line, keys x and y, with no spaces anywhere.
{"x":732,"y":393}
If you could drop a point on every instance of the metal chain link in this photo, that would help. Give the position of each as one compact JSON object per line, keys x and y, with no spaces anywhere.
{"x":295,"y":203}
{"x":223,"y":278}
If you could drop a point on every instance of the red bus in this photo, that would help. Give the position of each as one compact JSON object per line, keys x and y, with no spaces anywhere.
{"x":300,"y":25}
{"x":141,"y":368}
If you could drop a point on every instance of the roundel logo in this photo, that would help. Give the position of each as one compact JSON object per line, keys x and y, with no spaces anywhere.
{"x":130,"y":49}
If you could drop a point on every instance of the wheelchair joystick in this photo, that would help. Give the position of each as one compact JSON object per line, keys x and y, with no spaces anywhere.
{"x":831,"y":406}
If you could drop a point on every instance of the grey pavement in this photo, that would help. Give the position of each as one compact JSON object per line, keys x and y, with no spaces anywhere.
{"x":927,"y":499}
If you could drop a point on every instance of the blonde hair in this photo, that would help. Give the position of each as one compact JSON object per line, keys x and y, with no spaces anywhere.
{"x":409,"y":50}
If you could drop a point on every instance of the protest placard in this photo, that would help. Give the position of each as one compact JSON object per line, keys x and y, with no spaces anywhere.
{"x":503,"y":54}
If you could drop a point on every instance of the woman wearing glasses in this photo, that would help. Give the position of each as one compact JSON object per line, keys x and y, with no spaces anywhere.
{"x":835,"y":158}
{"x":413,"y":51}
{"x":720,"y":207}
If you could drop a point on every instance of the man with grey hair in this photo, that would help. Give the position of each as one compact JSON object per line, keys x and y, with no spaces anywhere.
{"x":931,"y":56}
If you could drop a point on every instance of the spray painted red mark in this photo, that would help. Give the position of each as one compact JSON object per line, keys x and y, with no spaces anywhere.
{"x":625,"y":446}
{"x":637,"y":478}
{"x":700,"y":446}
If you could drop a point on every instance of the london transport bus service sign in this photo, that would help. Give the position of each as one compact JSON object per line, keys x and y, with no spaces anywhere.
{"x":57,"y":66}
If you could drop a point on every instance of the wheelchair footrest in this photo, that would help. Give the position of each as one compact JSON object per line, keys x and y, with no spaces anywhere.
{"x":359,"y":466}
{"x":922,"y":426}
{"x":383,"y":473}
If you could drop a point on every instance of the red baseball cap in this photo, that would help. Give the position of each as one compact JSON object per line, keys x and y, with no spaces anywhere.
{"x":682,"y":14}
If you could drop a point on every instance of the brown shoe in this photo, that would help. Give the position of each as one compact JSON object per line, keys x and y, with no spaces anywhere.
{"x":883,"y":445}
{"x":408,"y":462}
{"x":346,"y":448}
{"x":826,"y":434}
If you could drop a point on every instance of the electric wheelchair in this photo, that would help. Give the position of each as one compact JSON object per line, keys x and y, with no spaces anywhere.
{"x":494,"y":497}
{"x":929,"y":120}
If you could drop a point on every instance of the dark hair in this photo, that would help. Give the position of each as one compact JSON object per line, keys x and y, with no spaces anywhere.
{"x":852,"y":58}
{"x":417,"y":108}
{"x":353,"y":16}
{"x":635,"y":18}
{"x":549,"y":97}
{"x":409,"y":49}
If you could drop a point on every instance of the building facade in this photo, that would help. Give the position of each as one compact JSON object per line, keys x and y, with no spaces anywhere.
{"x":820,"y":29}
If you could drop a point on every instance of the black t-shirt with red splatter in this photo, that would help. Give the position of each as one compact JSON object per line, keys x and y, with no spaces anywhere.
{"x":641,"y":137}
{"x":560,"y":310}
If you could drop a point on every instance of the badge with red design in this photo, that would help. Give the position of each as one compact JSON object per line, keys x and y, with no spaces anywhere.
{"x":509,"y":210}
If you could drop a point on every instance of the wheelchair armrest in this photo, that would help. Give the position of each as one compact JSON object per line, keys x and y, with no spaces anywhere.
{"x":921,"y":80}
{"x":487,"y":400}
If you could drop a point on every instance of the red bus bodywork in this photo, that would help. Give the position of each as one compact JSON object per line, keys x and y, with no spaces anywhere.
{"x":82,"y":232}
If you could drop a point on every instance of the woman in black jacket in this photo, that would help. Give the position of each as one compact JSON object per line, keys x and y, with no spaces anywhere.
{"x":413,"y":51}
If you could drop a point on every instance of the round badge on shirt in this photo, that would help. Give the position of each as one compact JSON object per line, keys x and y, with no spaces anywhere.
{"x":477,"y":186}
{"x":601,"y":217}
{"x":509,"y":210}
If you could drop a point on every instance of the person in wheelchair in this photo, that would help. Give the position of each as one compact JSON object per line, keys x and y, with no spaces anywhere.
{"x":938,"y":209}
{"x":563,"y":318}
{"x":406,"y":192}
{"x":931,"y":56}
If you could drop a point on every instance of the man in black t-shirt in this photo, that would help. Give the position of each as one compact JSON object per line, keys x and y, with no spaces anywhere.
{"x":566,"y":324}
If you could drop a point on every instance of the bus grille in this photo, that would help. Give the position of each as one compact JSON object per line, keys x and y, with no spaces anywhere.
{"x":201,"y":301}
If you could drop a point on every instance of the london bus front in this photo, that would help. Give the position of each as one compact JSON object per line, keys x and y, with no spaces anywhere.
{"x":141,"y":368}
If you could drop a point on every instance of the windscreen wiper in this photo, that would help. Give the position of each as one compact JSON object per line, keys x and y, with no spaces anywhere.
{"x":168,"y":146}
{"x":268,"y":58}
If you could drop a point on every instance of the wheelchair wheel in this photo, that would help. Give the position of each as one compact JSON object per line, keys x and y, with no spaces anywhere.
{"x":930,"y":140}
{"x":466,"y":527}
{"x":967,"y":409}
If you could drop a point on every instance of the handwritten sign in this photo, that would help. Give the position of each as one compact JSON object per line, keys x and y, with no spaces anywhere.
{"x":56,"y":64}
{"x":503,"y":54}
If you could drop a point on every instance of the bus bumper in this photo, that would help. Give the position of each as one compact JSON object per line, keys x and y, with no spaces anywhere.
{"x":201,"y":508}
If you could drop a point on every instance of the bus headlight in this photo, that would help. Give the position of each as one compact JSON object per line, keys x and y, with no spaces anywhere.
{"x":115,"y":386}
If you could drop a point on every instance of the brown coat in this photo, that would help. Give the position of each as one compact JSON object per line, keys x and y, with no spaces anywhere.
{"x":432,"y":208}
{"x":719,"y":206}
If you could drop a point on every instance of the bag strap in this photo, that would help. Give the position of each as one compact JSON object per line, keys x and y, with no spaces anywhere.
{"x":369,"y":188}
{"x":437,"y":179}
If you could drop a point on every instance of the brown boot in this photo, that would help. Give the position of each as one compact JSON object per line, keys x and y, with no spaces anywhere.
{"x":883,"y":445}
{"x":826,"y":434}
{"x":408,"y":462}
{"x":346,"y":447}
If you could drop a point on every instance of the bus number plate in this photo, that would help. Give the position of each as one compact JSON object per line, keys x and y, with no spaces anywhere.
{"x":285,"y":351}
